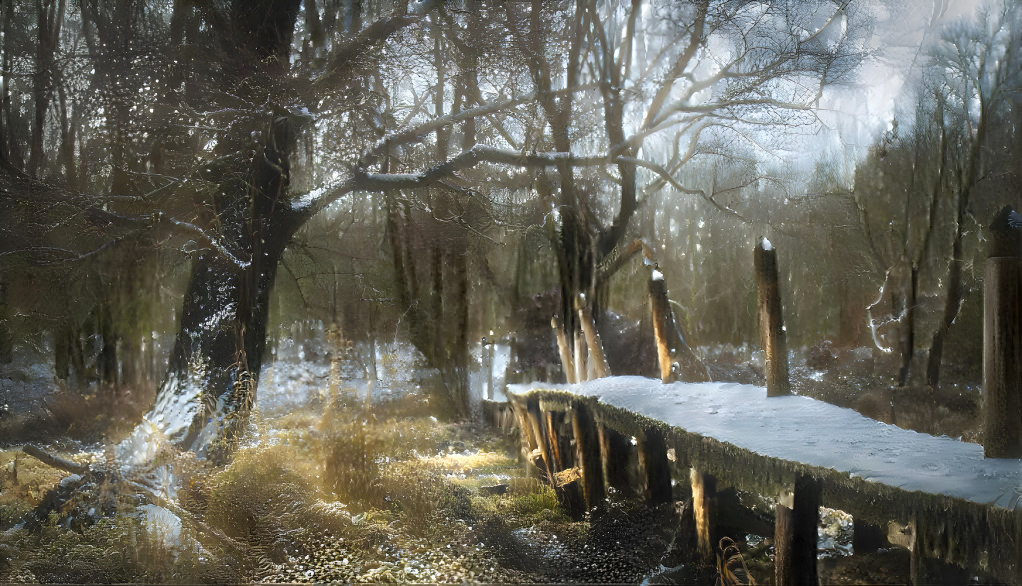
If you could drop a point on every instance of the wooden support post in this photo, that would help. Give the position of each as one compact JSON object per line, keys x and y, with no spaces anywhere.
{"x":661,"y":311}
{"x":567,"y":364}
{"x":536,"y":425}
{"x":1002,"y":341}
{"x":704,"y":509}
{"x":616,"y":450}
{"x":593,"y":342}
{"x":568,"y":478}
{"x":487,"y":349}
{"x":1018,"y":545}
{"x":677,"y":360}
{"x":795,"y":535}
{"x":587,"y":443}
{"x":581,"y":359}
{"x":925,"y":565}
{"x":653,"y":459}
{"x":557,"y":453}
{"x":771,"y":323}
{"x":867,"y":537}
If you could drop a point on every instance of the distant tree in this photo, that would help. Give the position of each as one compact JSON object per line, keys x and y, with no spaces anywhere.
{"x":977,"y":75}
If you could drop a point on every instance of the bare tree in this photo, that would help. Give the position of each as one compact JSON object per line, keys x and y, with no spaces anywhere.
{"x":978,"y":67}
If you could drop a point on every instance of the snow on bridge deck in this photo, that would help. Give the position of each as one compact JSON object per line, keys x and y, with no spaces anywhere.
{"x":802,"y":429}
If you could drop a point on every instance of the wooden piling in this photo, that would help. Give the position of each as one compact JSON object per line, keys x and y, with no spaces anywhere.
{"x":771,"y":323}
{"x":587,"y":444}
{"x":867,"y":537}
{"x":795,"y":535}
{"x":568,"y":478}
{"x":616,"y":452}
{"x":567,"y":364}
{"x":581,"y":359}
{"x":925,"y":563}
{"x":704,"y":509}
{"x":597,"y":358}
{"x":1002,"y":341}
{"x":537,"y":427}
{"x":661,"y":312}
{"x":487,"y":351}
{"x":676,"y":358}
{"x":653,"y":459}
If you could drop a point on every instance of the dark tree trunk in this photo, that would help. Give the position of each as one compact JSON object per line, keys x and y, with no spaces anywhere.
{"x":6,"y":341}
{"x":952,"y":303}
{"x":207,"y":394}
{"x":50,"y":17}
{"x":908,"y":335}
{"x":204,"y":402}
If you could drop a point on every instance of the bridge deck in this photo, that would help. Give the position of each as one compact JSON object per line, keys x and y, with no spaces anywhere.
{"x":801,"y":429}
{"x":953,"y":504}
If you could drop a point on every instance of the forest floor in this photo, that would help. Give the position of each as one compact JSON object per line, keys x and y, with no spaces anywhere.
{"x":333,"y":493}
{"x":339,"y":496}
{"x":393,"y":496}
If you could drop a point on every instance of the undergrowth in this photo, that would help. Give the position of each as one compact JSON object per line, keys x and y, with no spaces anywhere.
{"x":343,"y":495}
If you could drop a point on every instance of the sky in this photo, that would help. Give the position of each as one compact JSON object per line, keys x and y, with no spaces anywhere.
{"x":859,"y":114}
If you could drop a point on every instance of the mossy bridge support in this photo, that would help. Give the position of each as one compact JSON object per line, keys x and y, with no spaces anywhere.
{"x":589,"y":450}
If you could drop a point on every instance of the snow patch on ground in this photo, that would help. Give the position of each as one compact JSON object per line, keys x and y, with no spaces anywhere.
{"x":813,"y":432}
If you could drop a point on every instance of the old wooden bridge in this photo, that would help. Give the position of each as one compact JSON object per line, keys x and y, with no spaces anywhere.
{"x":938,"y":497}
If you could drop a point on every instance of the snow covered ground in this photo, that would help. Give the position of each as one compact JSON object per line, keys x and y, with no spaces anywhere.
{"x":814,"y":432}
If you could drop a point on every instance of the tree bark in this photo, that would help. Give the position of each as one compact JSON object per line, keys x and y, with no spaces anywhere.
{"x":204,"y":401}
{"x":908,"y":337}
{"x":49,"y":19}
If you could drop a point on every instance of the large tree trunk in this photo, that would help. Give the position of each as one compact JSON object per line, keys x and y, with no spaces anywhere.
{"x":205,"y":399}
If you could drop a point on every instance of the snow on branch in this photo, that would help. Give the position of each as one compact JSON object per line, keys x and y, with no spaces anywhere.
{"x":467,"y":159}
{"x":876,"y":324}
{"x":212,"y":240}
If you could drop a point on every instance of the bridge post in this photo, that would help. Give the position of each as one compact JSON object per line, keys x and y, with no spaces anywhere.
{"x":616,"y":451}
{"x":867,"y":537}
{"x":653,"y":459}
{"x":661,"y":325}
{"x":771,"y":322}
{"x":587,"y":443}
{"x":535,"y":419}
{"x":929,"y":545}
{"x":795,"y":535}
{"x":704,"y":511}
{"x":1002,"y":340}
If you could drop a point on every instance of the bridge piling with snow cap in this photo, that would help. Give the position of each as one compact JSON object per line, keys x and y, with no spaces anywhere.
{"x":771,"y":322}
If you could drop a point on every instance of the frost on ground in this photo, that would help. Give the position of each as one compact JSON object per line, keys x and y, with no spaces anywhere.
{"x":814,"y":432}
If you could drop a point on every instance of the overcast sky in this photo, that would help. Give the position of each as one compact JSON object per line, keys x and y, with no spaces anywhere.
{"x":855,"y":116}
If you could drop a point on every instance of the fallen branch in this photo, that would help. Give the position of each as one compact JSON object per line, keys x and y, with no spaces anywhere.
{"x":55,"y":461}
